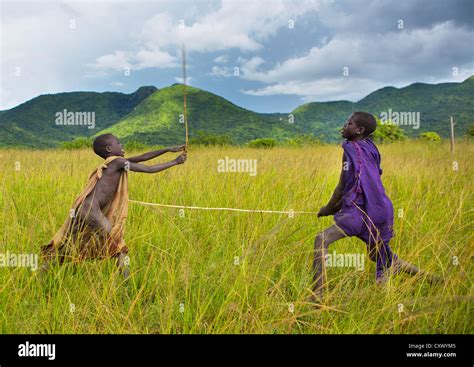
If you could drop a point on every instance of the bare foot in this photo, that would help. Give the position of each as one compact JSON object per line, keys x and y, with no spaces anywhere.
{"x":43,"y":270}
{"x":381,"y":280}
{"x":126,"y":273}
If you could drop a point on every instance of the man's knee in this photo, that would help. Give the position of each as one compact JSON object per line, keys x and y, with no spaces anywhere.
{"x":379,"y":248}
{"x":372,"y":252}
{"x":321,"y":242}
{"x":318,"y":241}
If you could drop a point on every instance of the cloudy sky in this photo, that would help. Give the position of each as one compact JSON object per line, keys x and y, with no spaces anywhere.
{"x":267,"y":56}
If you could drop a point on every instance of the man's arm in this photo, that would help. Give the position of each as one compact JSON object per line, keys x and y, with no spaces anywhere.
{"x":335,"y":203}
{"x":153,"y":154}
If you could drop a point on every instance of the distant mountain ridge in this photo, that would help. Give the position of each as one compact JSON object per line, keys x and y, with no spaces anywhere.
{"x":32,"y":124}
{"x":153,"y":116}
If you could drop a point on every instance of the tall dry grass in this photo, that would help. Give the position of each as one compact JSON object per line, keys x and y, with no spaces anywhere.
{"x":227,"y":272}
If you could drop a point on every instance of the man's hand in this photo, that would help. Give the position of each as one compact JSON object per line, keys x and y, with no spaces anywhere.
{"x":181,"y":158}
{"x":325,"y":211}
{"x":179,"y":148}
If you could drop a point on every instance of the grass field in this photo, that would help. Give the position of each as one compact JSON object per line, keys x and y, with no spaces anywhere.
{"x":228,"y":272}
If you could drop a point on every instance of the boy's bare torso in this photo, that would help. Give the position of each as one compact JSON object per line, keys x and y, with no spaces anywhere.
{"x":93,"y":205}
{"x":107,"y":186}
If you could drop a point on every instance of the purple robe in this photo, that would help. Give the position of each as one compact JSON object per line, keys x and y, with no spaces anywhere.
{"x":366,"y":211}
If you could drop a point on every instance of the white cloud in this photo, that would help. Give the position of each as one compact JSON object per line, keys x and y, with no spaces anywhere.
{"x":112,"y":35}
{"x":249,"y":68}
{"x":321,"y":90}
{"x":219,"y":71}
{"x":233,"y":25}
{"x":180,"y":80}
{"x":118,"y":61}
{"x":52,"y":55}
{"x":155,"y":58}
{"x":221,"y":59}
{"x":374,"y":60}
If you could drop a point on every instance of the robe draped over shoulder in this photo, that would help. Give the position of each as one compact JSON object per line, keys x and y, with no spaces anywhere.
{"x":86,"y":244}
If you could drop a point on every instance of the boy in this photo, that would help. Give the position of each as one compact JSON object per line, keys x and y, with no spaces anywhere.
{"x":94,"y":228}
{"x":359,"y":205}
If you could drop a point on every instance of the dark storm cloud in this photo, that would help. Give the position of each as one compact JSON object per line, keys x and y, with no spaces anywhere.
{"x":382,"y":16}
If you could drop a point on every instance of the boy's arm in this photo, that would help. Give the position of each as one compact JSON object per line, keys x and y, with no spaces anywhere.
{"x":153,"y":154}
{"x":136,"y":167}
{"x":335,"y":203}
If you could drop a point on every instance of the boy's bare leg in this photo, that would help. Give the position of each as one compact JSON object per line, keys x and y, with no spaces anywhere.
{"x":321,"y":245}
{"x":122,"y":264}
{"x":49,"y":259}
{"x":101,"y":225}
{"x":44,"y":268}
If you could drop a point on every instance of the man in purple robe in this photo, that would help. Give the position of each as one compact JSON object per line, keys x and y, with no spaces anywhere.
{"x":359,"y":205}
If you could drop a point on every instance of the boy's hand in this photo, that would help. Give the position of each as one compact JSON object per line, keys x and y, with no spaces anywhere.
{"x":181,"y":158}
{"x":179,"y":148}
{"x":325,"y":211}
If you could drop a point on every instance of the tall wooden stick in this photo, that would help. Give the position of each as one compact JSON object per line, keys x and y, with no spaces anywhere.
{"x":452,"y":135}
{"x":184,"y":92}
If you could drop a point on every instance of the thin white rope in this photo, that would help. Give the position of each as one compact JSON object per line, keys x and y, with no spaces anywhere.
{"x":222,"y":209}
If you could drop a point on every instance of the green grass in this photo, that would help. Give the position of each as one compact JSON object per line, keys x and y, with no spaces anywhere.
{"x":239,"y":272}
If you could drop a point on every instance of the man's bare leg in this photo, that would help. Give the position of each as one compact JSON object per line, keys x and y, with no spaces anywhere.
{"x":405,"y":267}
{"x":321,"y":245}
{"x":408,"y":268}
{"x":398,"y":266}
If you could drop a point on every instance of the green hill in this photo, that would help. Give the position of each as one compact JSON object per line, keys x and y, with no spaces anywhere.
{"x":435,"y":103}
{"x":157,"y":119}
{"x":33,"y":123}
{"x":323,"y":119}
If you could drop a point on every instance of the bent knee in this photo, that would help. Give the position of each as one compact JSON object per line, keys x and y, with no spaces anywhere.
{"x":319,"y":242}
{"x":99,"y":223}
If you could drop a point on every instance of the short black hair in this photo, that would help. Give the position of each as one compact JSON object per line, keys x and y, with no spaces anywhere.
{"x":365,"y":120}
{"x":100,"y":143}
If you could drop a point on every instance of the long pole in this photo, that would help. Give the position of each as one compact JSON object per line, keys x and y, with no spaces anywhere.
{"x":184,"y":93}
{"x":452,"y":135}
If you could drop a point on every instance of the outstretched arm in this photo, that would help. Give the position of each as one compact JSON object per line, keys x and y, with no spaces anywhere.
{"x":136,"y":167}
{"x":155,"y":153}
